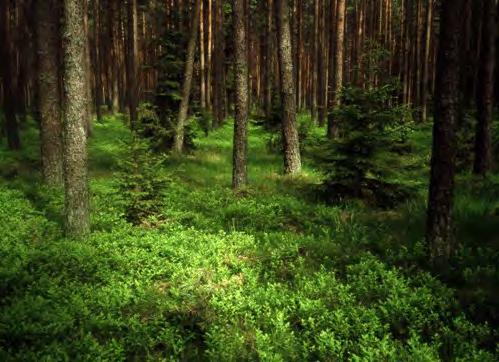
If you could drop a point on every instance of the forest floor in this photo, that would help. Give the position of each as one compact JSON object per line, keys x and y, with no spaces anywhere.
{"x":268,"y":274}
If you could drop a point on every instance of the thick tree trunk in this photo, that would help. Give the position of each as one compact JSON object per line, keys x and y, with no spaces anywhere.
{"x":178,"y":145}
{"x":77,"y":214}
{"x":335,"y":99}
{"x":439,"y":222}
{"x":485,"y":91}
{"x":291,"y":142}
{"x":240,"y":152}
{"x":49,"y":92}
{"x":7,"y":70}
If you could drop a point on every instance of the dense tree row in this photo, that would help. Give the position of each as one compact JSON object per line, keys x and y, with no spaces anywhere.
{"x":65,"y":63}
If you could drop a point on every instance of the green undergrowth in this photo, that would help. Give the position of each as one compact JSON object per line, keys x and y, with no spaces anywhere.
{"x":267,"y":274}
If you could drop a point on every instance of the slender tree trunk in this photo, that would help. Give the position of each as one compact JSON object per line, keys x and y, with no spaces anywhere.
{"x":49,"y":92}
{"x":97,"y":60}
{"x":22,"y":55}
{"x":178,"y":145}
{"x":209,"y":52}
{"x":315,"y":62}
{"x":7,"y":70}
{"x":240,"y":152}
{"x":114,"y":54}
{"x":439,"y":222}
{"x":426,"y":65}
{"x":88,"y":71}
{"x":268,"y":61}
{"x":292,"y":158}
{"x":132,"y":56}
{"x":322,"y":66}
{"x":485,"y":91}
{"x":202,"y":57}
{"x":335,"y":100}
{"x":332,"y":52}
{"x":297,"y":29}
{"x":77,"y":212}
{"x":220,"y":104}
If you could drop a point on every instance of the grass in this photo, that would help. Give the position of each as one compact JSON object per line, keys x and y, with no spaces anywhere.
{"x":268,"y":274}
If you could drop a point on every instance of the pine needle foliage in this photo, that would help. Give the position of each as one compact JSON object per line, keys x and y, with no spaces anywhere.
{"x":141,"y":183}
{"x":360,"y":163}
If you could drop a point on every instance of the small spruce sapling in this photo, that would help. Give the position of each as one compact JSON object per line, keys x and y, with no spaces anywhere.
{"x":142,"y":183}
{"x":361,"y":163}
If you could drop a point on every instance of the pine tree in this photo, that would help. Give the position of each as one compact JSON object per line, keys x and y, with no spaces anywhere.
{"x":49,"y":92}
{"x":439,"y":233}
{"x":292,"y":157}
{"x":77,"y":212}
{"x":240,"y":173}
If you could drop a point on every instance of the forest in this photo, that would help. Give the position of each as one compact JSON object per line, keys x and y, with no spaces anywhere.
{"x":249,"y":180}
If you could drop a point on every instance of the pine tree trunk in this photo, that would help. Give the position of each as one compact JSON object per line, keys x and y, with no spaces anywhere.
{"x":268,"y":61}
{"x":426,"y":62}
{"x":49,"y":92}
{"x":114,"y":55}
{"x":315,"y":63}
{"x":219,"y":101}
{"x":209,"y":56}
{"x":240,"y":151}
{"x":202,"y":57}
{"x":485,"y":91}
{"x":97,"y":60}
{"x":322,"y":67}
{"x":292,"y":158}
{"x":7,"y":70}
{"x":332,"y":127}
{"x":77,"y":212}
{"x":131,"y":58}
{"x":178,"y":145}
{"x":88,"y":71}
{"x":439,"y":222}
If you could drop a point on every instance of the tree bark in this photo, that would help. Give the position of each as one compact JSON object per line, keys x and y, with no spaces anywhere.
{"x":97,"y":59}
{"x":291,"y":142}
{"x":485,"y":91}
{"x":77,"y":214}
{"x":439,"y":222}
{"x":315,"y":63}
{"x":7,"y":70}
{"x":131,"y":63}
{"x":202,"y":57}
{"x":335,"y":100}
{"x":178,"y":145}
{"x":240,"y":147}
{"x":49,"y":92}
{"x":219,"y":100}
{"x":426,"y":65}
{"x":321,"y":66}
{"x":209,"y":55}
{"x":268,"y":61}
{"x":88,"y":71}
